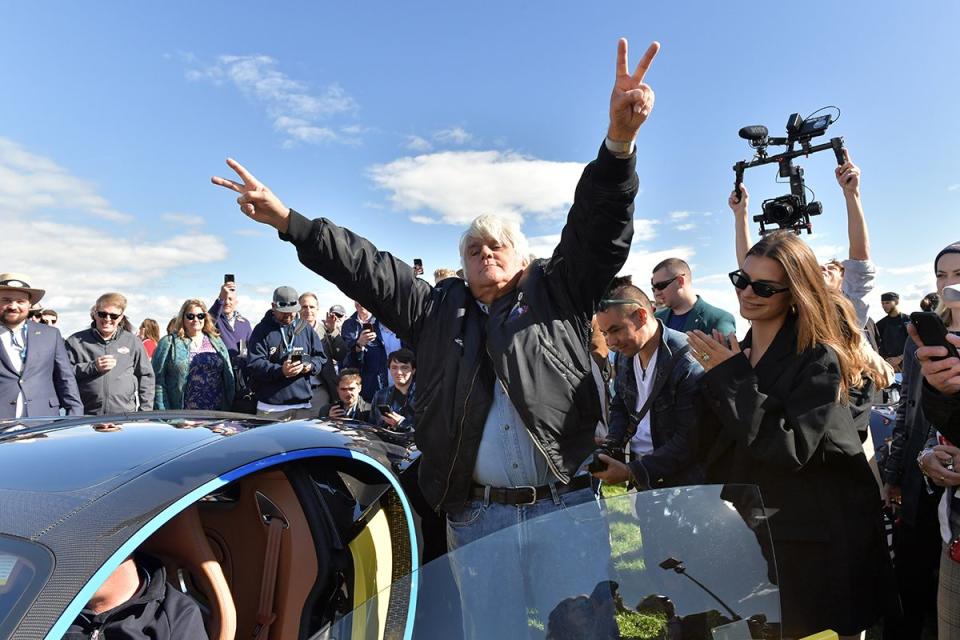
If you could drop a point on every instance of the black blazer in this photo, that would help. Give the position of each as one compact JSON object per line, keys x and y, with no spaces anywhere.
{"x":779,"y":426}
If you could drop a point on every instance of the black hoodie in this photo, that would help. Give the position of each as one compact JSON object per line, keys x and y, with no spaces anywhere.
{"x":156,"y":612}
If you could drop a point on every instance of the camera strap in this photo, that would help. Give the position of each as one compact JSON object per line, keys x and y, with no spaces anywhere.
{"x":660,"y":380}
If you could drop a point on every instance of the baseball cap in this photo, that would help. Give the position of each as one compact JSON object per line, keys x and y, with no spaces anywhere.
{"x":285,"y":299}
{"x":338,"y":310}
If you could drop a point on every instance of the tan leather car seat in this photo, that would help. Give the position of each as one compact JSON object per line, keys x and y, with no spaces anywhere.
{"x":182,"y":543}
{"x":239,"y":534}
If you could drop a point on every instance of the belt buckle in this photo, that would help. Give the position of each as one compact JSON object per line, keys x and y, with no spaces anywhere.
{"x":533,"y":495}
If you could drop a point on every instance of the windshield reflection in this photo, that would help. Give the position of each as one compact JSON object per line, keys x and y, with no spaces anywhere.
{"x":688,"y":562}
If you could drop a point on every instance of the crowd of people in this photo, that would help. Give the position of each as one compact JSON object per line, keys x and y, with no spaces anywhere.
{"x":514,"y":373}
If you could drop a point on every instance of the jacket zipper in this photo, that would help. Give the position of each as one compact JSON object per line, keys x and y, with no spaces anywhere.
{"x":456,"y":453}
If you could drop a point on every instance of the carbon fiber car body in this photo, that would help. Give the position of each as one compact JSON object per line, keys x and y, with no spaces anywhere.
{"x":90,"y":490}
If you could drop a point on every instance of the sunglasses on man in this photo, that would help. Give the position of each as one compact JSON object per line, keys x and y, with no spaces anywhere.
{"x":103,"y":315}
{"x":603,"y":305}
{"x":194,"y":316}
{"x":763,"y":289}
{"x":663,"y":284}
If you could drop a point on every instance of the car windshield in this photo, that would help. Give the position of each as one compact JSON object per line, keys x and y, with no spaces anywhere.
{"x":690,"y":560}
{"x":24,"y":569}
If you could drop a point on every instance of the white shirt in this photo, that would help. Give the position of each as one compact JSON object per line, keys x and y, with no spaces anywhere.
{"x":15,"y":356}
{"x":642,"y":441}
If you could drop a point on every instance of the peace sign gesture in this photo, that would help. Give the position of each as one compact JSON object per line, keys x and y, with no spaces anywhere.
{"x":632,"y":100}
{"x":256,"y":200}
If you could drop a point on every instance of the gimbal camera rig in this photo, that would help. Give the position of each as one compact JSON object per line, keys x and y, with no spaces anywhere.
{"x":791,"y":211}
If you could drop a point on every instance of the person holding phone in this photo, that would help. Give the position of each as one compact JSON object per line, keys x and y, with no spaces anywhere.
{"x":283,"y":355}
{"x":940,"y":401}
{"x":393,"y":406}
{"x":234,"y":329}
{"x":349,"y":404}
{"x":783,"y":411}
{"x":367,"y":350}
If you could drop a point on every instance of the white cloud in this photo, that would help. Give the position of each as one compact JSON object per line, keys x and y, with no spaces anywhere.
{"x":416,"y":143}
{"x":454,"y":135}
{"x":954,"y":187}
{"x":640,"y":263}
{"x":644,"y":229}
{"x":460,"y":185}
{"x":685,"y":227}
{"x":294,"y":110}
{"x":543,"y":246}
{"x":31,"y":183}
{"x":184,"y":219}
{"x":925,"y":267}
{"x":680,"y":215}
{"x":76,"y":262}
{"x":424,"y":220}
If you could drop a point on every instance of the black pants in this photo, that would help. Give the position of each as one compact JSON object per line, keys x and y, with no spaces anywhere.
{"x":917,"y":548}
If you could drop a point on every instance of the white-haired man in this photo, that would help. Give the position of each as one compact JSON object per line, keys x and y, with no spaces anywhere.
{"x":509,"y":404}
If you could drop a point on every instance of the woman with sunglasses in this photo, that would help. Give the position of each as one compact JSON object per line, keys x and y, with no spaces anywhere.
{"x":193,"y":365}
{"x":782,"y":411}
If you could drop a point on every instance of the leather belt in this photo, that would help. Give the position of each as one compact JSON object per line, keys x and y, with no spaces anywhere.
{"x":528,"y":495}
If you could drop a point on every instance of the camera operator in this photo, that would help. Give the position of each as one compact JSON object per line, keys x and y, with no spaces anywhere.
{"x":854,"y":276}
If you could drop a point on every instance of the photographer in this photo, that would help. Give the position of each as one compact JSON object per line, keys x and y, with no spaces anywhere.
{"x":657,"y":384}
{"x":854,"y":276}
{"x":284,"y":353}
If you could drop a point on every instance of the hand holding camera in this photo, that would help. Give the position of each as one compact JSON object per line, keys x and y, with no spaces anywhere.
{"x":293,"y":366}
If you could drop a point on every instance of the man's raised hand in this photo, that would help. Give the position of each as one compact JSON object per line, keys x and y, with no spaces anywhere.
{"x":632,"y":100}
{"x":255,"y":199}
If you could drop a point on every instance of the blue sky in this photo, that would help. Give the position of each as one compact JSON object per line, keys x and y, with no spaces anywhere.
{"x":403,"y":122}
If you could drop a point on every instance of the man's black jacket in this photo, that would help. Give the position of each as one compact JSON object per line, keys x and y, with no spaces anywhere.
{"x":156,"y":612}
{"x":673,"y":414}
{"x":535,"y":339}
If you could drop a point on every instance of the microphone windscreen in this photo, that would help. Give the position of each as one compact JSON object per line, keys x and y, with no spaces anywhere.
{"x":755,"y":132}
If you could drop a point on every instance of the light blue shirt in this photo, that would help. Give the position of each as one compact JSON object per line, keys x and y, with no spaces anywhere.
{"x":508,"y":456}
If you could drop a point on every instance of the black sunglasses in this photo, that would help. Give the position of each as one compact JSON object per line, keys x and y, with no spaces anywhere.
{"x":603,"y":305}
{"x":663,"y":284}
{"x":741,"y":281}
{"x":194,"y":316}
{"x":103,"y":315}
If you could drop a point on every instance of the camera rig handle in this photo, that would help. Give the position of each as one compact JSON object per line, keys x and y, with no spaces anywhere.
{"x":738,"y":169}
{"x":837,"y":144}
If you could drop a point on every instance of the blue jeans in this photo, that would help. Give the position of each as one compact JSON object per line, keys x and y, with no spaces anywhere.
{"x":531,"y":558}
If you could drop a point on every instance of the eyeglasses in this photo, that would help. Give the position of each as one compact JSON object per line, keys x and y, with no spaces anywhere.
{"x":194,"y":316}
{"x":763,"y":289}
{"x":663,"y":284}
{"x":103,"y":315}
{"x":603,"y":305}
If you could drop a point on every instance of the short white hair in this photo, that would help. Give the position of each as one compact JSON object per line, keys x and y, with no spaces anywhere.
{"x":499,"y":229}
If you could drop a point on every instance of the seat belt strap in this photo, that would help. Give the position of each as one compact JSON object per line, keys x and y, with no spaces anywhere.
{"x":268,"y":581}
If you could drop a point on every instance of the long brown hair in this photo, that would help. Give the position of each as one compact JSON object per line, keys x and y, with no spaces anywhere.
{"x":818,"y":321}
{"x":208,"y":327}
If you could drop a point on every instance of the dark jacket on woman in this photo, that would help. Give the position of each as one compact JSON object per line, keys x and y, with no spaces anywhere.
{"x":780,"y":426}
{"x":171,"y":364}
{"x":404,"y":405}
{"x":910,"y":434}
{"x":673,"y":414}
{"x":533,"y":339}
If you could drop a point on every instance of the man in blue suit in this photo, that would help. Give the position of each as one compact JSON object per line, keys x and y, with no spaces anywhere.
{"x":36,"y":378}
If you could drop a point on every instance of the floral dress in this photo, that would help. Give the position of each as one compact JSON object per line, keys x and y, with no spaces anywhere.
{"x":204,"y":388}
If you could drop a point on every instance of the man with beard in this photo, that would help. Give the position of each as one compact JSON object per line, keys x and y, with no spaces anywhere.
{"x":36,"y":378}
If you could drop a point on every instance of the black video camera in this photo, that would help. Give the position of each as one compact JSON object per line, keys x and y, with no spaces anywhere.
{"x":791,"y":211}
